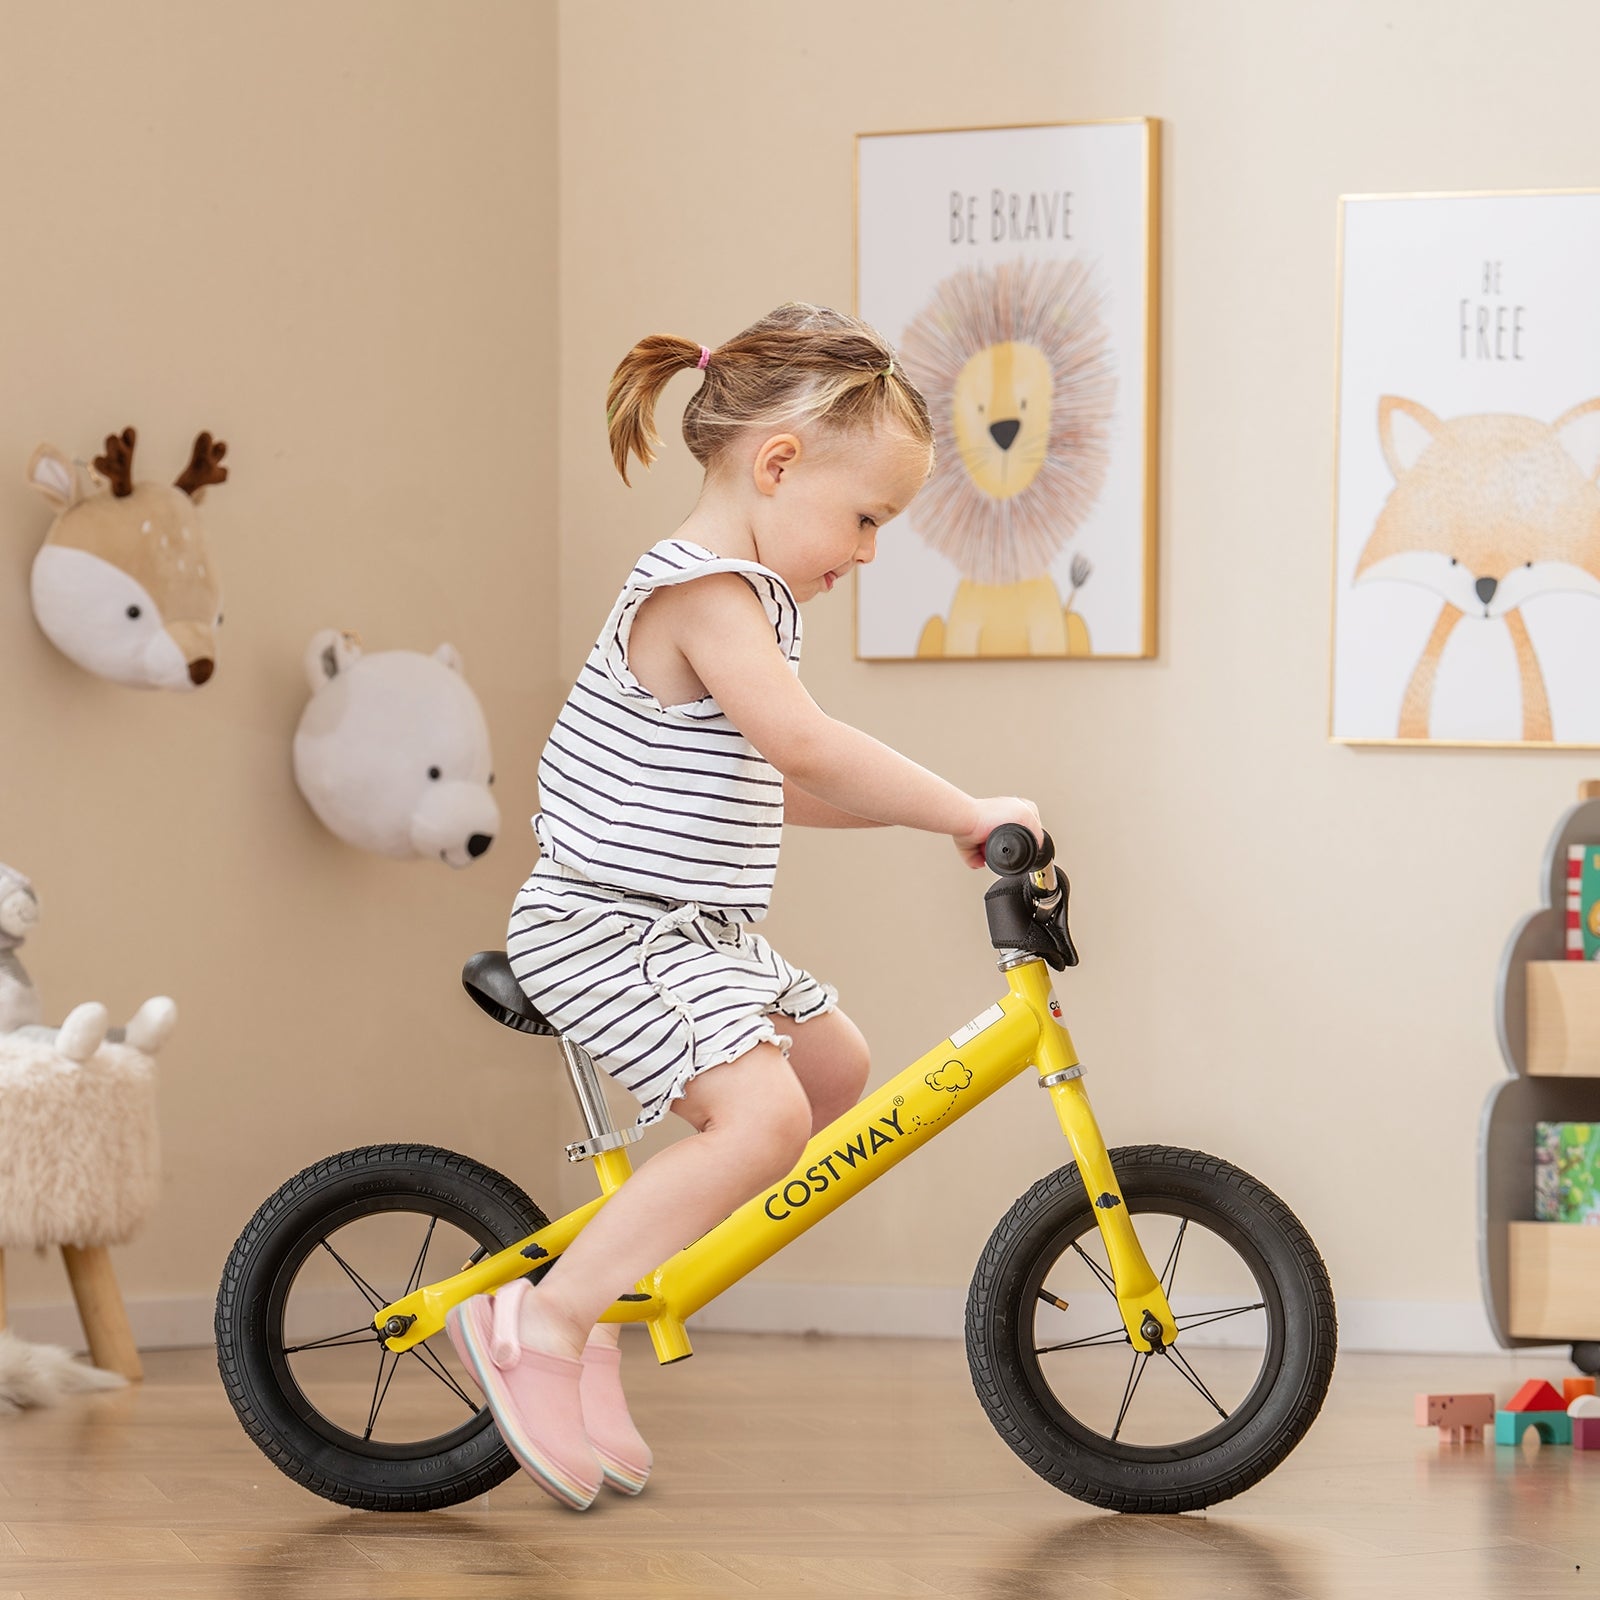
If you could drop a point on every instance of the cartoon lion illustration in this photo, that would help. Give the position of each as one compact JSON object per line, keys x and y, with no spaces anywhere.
{"x":1015,"y":363}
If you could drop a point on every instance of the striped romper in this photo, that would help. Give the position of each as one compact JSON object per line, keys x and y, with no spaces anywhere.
{"x":658,"y":836}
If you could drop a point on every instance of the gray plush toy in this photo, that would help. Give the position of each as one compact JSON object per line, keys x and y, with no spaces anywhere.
{"x":84,"y":1029}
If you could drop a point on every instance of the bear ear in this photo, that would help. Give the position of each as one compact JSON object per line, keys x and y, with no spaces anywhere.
{"x":55,"y":477}
{"x":451,"y":657}
{"x":330,"y":652}
{"x":1405,"y":430}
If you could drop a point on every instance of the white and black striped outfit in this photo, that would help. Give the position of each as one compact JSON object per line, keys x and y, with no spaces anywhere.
{"x":658,"y":833}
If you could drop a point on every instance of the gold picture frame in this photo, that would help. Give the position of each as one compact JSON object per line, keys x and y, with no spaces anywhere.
{"x":1115,"y":197}
{"x":1462,"y":248}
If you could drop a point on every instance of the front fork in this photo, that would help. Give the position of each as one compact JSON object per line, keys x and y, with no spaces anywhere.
{"x":1140,"y":1296}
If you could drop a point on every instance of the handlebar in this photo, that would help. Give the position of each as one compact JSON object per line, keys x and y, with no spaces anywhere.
{"x":1027,"y":908}
{"x":1011,"y":849}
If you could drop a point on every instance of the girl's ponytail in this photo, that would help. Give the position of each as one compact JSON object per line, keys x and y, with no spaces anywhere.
{"x":800,"y":365}
{"x":631,"y":399}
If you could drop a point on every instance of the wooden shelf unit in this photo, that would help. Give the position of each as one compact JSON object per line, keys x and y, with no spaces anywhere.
{"x":1541,"y":1280}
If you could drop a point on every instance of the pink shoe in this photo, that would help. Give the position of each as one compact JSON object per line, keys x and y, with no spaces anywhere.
{"x":534,"y":1397}
{"x":624,"y":1456}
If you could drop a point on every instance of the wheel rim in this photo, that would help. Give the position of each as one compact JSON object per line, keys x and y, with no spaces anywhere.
{"x":1079,"y":1363}
{"x":330,"y":1365}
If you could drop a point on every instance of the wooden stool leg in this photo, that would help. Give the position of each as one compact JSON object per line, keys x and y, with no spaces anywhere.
{"x":105,"y":1320}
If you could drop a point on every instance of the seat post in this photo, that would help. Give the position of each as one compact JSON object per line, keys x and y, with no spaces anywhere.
{"x":586,"y":1086}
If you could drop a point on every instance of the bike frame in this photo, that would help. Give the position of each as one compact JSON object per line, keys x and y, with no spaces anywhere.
{"x":1023,"y":1029}
{"x":1020,"y":1031}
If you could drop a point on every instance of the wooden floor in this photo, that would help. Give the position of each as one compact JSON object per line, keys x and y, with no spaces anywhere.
{"x":798,"y":1466}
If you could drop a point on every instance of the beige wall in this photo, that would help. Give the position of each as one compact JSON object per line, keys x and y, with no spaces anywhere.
{"x":330,"y":233}
{"x":325,"y":232}
{"x":1289,"y":945}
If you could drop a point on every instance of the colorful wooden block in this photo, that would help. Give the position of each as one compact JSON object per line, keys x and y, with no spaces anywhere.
{"x":1553,"y":1427}
{"x":1536,"y":1395}
{"x":1586,"y":1433}
{"x":1584,"y":1405}
{"x":1571,"y":1388}
{"x":1458,"y":1417}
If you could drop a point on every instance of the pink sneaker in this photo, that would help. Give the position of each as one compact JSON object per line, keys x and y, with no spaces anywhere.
{"x":534,"y":1397}
{"x":624,"y":1456}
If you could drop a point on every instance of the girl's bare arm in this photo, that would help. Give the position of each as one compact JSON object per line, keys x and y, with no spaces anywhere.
{"x":807,"y":811}
{"x":719,"y":625}
{"x":727,"y":639}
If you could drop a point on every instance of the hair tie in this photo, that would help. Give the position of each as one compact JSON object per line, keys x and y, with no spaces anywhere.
{"x":705,"y":356}
{"x":888,"y":371}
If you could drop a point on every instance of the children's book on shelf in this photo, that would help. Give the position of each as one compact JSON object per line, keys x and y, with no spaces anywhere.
{"x":1566,"y":1172}
{"x":1583,"y":902}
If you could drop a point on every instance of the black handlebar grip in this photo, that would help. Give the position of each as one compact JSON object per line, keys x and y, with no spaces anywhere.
{"x":1011,"y":849}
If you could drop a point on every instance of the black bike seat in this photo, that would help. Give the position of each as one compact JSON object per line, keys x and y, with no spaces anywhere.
{"x":488,"y":978}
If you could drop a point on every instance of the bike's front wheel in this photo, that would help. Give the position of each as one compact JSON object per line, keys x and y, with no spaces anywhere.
{"x":1170,"y":1431}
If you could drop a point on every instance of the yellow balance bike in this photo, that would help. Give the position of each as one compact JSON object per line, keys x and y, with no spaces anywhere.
{"x":1149,"y":1328}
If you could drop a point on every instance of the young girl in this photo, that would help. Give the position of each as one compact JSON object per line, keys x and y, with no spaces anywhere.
{"x":684,"y":747}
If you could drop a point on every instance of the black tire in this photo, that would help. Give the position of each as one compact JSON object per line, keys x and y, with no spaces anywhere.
{"x":1061,"y":1429}
{"x":303,"y":1435}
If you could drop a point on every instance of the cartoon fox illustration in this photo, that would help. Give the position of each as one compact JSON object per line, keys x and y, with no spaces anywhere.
{"x":1488,"y":511}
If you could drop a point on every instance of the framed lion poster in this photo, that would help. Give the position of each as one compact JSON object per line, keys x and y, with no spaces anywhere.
{"x":1014,"y":270}
{"x":1466,"y":605}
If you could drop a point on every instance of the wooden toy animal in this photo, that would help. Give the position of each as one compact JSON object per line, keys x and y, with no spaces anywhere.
{"x":125,"y":584}
{"x":1460,"y":1418}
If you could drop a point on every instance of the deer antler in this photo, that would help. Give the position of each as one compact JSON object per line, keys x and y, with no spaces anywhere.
{"x":203,"y":465}
{"x":116,"y":465}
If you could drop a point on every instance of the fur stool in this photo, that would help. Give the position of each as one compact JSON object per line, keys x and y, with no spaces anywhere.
{"x":79,"y":1169}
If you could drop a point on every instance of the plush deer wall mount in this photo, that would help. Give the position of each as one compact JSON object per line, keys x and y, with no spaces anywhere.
{"x":1489,"y":512}
{"x":124,"y":583}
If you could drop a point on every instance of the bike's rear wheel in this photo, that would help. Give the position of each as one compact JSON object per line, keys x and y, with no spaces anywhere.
{"x":1176,"y":1431}
{"x":313,"y":1384}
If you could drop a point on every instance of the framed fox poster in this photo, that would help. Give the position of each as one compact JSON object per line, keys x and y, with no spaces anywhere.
{"x":1014,"y":270}
{"x":1467,"y":508}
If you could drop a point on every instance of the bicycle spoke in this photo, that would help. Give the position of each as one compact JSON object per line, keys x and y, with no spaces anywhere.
{"x":337,"y":1341}
{"x":415,"y":1277}
{"x":442,"y":1373}
{"x":1185,"y":1370}
{"x":1100,"y":1272}
{"x":1198,"y":1319}
{"x":1172,"y":1260}
{"x":1114,"y":1336}
{"x":355,"y":1277}
{"x":381,"y":1388}
{"x":1135,"y":1374}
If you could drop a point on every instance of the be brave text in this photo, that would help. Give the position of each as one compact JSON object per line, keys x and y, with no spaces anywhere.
{"x":1007,"y":215}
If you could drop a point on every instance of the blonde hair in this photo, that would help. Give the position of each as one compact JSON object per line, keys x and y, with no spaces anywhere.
{"x":799,"y":364}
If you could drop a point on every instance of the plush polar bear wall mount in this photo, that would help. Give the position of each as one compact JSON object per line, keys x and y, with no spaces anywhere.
{"x":392,"y":751}
{"x":125,"y":584}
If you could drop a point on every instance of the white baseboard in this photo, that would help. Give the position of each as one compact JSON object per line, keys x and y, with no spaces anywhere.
{"x":1427,"y":1327}
{"x":1433,"y":1327}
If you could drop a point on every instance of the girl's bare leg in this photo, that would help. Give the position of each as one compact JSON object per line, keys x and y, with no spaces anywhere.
{"x":830,"y":1058}
{"x":753,"y":1119}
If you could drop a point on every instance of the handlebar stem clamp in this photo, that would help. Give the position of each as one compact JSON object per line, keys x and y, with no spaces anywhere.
{"x":1017,"y":922}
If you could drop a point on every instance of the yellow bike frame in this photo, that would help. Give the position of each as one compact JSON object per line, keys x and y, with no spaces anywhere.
{"x":1021,"y":1030}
